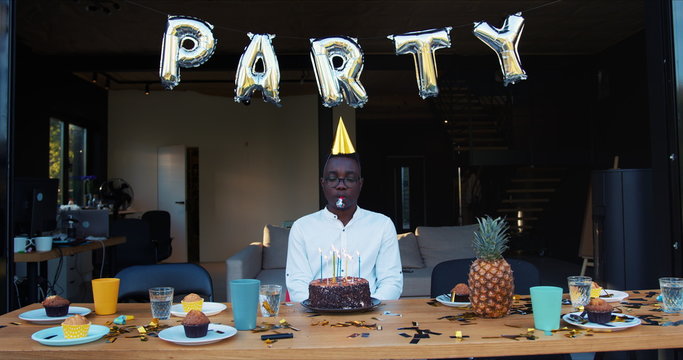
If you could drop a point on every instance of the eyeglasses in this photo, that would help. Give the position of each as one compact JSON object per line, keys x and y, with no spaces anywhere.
{"x":333,"y":181}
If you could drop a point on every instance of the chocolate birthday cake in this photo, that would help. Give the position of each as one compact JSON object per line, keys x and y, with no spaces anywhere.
{"x":339,"y":293}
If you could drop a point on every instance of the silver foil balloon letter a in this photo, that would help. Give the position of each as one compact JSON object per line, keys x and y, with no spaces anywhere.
{"x":336,"y":84}
{"x":248,"y":80}
{"x":422,"y":45}
{"x":187,"y":42}
{"x":504,"y":42}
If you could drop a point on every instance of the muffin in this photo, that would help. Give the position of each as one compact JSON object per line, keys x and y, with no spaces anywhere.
{"x":196,"y":324}
{"x":56,"y":305}
{"x":595,"y":290}
{"x":599,"y":311}
{"x":192,"y":302}
{"x":75,"y":327}
{"x":460,"y":293}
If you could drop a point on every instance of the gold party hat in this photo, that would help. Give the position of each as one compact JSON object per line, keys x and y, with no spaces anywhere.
{"x":342,"y":142}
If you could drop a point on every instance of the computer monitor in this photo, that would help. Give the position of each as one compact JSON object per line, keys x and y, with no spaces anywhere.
{"x":35,"y":205}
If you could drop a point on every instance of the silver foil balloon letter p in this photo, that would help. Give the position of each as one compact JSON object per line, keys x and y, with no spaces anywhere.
{"x":504,"y":42}
{"x":423,"y":44}
{"x":187,"y":42}
{"x":248,"y":80}
{"x":336,"y":84}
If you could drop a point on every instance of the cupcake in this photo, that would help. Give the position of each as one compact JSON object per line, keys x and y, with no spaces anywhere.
{"x":599,"y":311}
{"x":56,"y":305}
{"x":595,"y":290}
{"x":460,"y":293}
{"x":75,"y":327}
{"x":196,"y":324}
{"x":192,"y":302}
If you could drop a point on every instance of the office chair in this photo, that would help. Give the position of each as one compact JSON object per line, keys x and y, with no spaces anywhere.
{"x":448,"y":273}
{"x":159,"y":222}
{"x":184,"y":278}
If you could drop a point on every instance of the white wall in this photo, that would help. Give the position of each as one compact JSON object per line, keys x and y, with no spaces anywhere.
{"x":257,"y":163}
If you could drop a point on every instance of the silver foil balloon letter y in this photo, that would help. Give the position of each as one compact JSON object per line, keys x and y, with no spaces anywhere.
{"x":504,"y":42}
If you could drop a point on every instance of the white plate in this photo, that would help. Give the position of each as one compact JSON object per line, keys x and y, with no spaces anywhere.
{"x":614,"y":326}
{"x":446,"y":300}
{"x":176,"y":335}
{"x":617,"y":296}
{"x":208,"y":308}
{"x":95,"y":332}
{"x":40,"y":317}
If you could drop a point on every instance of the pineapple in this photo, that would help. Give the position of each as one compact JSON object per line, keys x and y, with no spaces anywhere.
{"x":490,"y":278}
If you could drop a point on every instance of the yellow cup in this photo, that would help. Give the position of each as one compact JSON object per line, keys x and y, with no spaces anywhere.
{"x":105,"y":293}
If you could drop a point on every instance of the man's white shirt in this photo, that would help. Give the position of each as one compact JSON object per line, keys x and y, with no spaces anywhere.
{"x":368,"y":234}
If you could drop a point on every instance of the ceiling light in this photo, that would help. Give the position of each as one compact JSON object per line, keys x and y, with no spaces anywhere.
{"x":94,"y":78}
{"x":146,"y":89}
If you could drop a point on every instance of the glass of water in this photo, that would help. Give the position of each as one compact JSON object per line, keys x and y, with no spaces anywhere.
{"x":672,"y":294}
{"x":579,"y":290}
{"x":161,"y":299}
{"x":269,"y":300}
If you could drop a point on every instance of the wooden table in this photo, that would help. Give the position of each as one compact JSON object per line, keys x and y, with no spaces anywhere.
{"x":328,"y":342}
{"x":324,"y":341}
{"x":41,"y":257}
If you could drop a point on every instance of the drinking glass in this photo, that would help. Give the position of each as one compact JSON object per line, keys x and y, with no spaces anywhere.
{"x":579,"y":290}
{"x":672,"y":294}
{"x":161,"y":298}
{"x":269,"y":300}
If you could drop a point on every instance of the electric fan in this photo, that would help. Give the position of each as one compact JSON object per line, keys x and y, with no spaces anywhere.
{"x":117,"y":193}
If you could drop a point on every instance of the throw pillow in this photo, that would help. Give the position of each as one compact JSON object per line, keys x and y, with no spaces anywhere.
{"x":275,"y":240}
{"x":442,"y":243}
{"x":410,"y":253}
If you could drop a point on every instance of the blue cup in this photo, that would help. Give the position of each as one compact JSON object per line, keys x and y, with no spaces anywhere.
{"x":546,"y":302}
{"x":244,"y":294}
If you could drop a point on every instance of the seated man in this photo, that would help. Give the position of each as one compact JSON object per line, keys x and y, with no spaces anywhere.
{"x":342,"y":225}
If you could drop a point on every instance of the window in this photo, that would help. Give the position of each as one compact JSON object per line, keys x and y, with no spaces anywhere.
{"x":68,"y":156}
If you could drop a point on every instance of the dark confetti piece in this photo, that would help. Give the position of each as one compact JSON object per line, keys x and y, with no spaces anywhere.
{"x":432,"y":303}
{"x":432,"y":332}
{"x":353,"y":335}
{"x":635,"y":292}
{"x":415,"y":323}
{"x":365,"y":334}
{"x":637,"y":299}
{"x":415,"y":341}
{"x":467,"y":336}
{"x":408,"y":328}
{"x":50,"y":337}
{"x":15,"y":323}
{"x":111,"y":340}
{"x":2,"y":326}
{"x":651,"y":294}
{"x":220,"y":332}
{"x":404,"y":335}
{"x":421,"y":336}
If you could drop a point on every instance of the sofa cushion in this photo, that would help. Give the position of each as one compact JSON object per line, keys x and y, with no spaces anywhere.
{"x":410,"y":253}
{"x":275,"y":241}
{"x":417,"y":282}
{"x":438,"y":244}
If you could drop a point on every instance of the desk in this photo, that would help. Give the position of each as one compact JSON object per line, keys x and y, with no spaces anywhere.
{"x":327,"y":342}
{"x":33,"y":258}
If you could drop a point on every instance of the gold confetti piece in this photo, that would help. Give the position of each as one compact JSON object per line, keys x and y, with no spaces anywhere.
{"x":111,"y":339}
{"x":325,"y":322}
{"x":515,"y":297}
{"x":154,"y":322}
{"x":143,"y":338}
{"x":379,"y":327}
{"x":458,"y":334}
{"x":581,"y":308}
{"x":142,"y":330}
{"x":283,"y":321}
{"x":512,"y":326}
{"x":269,"y":341}
{"x":15,"y":323}
{"x":376,"y":318}
{"x":530,"y":330}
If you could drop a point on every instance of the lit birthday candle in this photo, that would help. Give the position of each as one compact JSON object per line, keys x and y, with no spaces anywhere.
{"x":358,"y":254}
{"x":321,"y":263}
{"x":328,"y":280}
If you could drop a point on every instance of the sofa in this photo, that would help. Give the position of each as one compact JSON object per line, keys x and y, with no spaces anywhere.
{"x":420,"y":252}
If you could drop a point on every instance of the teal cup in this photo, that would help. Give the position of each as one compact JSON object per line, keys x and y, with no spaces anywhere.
{"x":546,"y":302}
{"x":244,"y":295}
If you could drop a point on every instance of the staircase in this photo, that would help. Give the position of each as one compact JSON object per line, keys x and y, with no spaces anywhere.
{"x":471,"y":121}
{"x":527,"y":196}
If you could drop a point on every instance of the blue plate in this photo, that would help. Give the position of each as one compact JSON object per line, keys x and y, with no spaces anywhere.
{"x":216,"y":332}
{"x":39,"y":316}
{"x":95,"y":333}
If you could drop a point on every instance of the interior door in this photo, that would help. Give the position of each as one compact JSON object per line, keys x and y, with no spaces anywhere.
{"x":171,"y":195}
